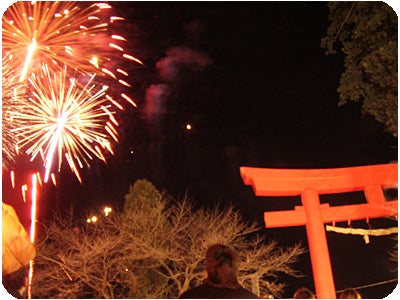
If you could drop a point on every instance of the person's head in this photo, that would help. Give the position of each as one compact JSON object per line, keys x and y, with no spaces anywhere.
{"x":222,"y":264}
{"x":350,"y":293}
{"x":303,"y":293}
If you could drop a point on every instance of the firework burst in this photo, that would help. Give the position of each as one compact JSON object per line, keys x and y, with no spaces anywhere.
{"x":66,"y":32}
{"x":13,"y":93}
{"x":65,"y":118}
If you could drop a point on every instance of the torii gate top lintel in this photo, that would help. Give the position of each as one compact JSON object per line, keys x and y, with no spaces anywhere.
{"x":291,"y":182}
{"x":309,"y":184}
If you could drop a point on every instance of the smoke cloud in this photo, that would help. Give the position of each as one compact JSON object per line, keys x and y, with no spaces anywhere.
{"x":181,"y":57}
{"x":176,"y":60}
{"x":156,"y":95}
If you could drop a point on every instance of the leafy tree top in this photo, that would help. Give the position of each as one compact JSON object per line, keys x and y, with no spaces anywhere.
{"x":142,"y":195}
{"x":367,"y":33}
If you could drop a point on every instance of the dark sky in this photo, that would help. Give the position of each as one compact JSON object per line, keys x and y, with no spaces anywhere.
{"x":252,"y":80}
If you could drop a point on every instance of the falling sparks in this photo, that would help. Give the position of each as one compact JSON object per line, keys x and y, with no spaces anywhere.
{"x":34,"y":208}
{"x":53,"y":179}
{"x":130,"y":57}
{"x":65,"y":119}
{"x":129,"y":99}
{"x":24,"y":188}
{"x":12,"y":177}
{"x":32,"y":230}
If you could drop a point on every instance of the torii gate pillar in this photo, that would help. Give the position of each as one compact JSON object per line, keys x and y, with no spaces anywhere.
{"x":318,"y":245}
{"x":309,"y":184}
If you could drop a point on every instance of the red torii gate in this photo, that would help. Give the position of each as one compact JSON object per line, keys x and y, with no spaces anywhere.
{"x":309,"y":184}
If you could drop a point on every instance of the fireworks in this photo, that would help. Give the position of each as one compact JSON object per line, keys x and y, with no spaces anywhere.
{"x":65,"y":118}
{"x":32,"y":230}
{"x":58,"y":33}
{"x":60,"y":53}
{"x":57,"y":60}
{"x":49,"y":32}
{"x":13,"y":93}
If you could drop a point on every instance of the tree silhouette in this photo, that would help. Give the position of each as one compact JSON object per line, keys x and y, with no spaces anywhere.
{"x":367,"y":33}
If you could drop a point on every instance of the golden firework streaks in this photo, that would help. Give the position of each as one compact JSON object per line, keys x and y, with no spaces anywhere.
{"x":24,"y":189}
{"x":66,"y":32}
{"x":33,"y":208}
{"x":65,"y":118}
{"x":12,"y":177}
{"x":53,"y":31}
{"x":60,"y":38}
{"x":31,"y":49}
{"x":13,"y":93}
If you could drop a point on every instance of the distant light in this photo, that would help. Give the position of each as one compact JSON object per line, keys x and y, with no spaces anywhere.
{"x":107,"y":210}
{"x":188,"y":127}
{"x":92,"y":219}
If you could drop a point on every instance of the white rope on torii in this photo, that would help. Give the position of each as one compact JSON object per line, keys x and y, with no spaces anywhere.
{"x":362,"y":231}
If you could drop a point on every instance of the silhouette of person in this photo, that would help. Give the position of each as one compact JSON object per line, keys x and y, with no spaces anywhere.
{"x":350,"y":293}
{"x":303,"y":293}
{"x":222,"y":263}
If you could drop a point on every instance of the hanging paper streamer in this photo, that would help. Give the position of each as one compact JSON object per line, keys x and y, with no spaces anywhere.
{"x":362,"y":231}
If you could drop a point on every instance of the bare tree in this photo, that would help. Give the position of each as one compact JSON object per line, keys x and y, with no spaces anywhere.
{"x":196,"y":230}
{"x":154,"y":248}
{"x":87,"y":261}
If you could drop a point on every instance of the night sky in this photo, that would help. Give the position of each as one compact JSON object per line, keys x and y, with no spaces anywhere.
{"x":258,"y":90}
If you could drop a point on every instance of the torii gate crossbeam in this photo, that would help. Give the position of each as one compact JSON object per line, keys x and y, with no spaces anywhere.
{"x":309,"y":184}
